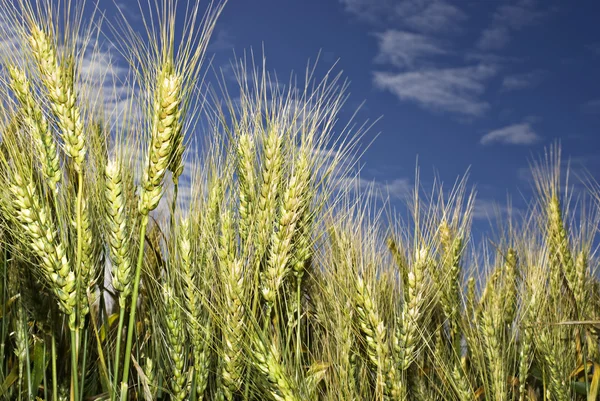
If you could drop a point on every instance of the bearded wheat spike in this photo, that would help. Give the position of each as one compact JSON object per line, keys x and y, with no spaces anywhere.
{"x":559,"y":248}
{"x":406,"y":335}
{"x":34,"y":217}
{"x":165,"y":128}
{"x":510,"y":286}
{"x":302,"y":245}
{"x":558,"y":387}
{"x":463,"y":389}
{"x":267,"y":361}
{"x":525,"y":352}
{"x":294,"y":203}
{"x":246,"y":171}
{"x":581,"y":268}
{"x":175,"y":336}
{"x":271,"y":172}
{"x":231,"y":268}
{"x":198,"y":335}
{"x":38,"y":126}
{"x":150,"y":372}
{"x":118,"y":236}
{"x":375,"y":334}
{"x":452,"y":247}
{"x":61,"y":93}
{"x":176,"y":162}
{"x":87,"y":275}
{"x":492,"y":321}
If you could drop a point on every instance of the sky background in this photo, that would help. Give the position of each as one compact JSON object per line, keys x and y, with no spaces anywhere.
{"x":463,"y":85}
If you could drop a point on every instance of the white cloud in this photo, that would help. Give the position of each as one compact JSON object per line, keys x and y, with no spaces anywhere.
{"x":494,"y":38}
{"x":591,"y":107}
{"x":516,"y":134}
{"x":430,"y":16}
{"x":426,"y":16}
{"x":522,"y":81}
{"x":487,"y":209}
{"x":506,"y":19}
{"x":221,"y":41}
{"x":397,"y":188}
{"x":454,"y":90}
{"x":404,"y":49}
{"x":104,"y":87}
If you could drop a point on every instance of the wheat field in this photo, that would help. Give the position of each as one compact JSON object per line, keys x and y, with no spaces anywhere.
{"x":141,"y":262}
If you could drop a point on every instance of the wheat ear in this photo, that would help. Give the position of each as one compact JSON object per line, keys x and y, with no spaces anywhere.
{"x":38,"y":126}
{"x":406,"y":334}
{"x":233,"y":279}
{"x":34,"y":216}
{"x":292,"y":208}
{"x":246,"y":171}
{"x":452,"y":247}
{"x":175,"y":337}
{"x":117,"y":230}
{"x":200,"y":338}
{"x":267,"y":361}
{"x":61,"y":93}
{"x":165,"y":124}
{"x":119,"y":245}
{"x":374,"y":332}
{"x":165,"y":128}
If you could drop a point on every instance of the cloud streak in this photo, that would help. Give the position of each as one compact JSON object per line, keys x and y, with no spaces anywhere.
{"x":424,"y":16}
{"x":522,"y":81}
{"x":507,"y":19}
{"x":516,"y":134}
{"x":405,"y":49}
{"x":455,"y":90}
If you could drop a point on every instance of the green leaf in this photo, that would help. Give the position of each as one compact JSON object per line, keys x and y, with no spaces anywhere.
{"x":10,"y":380}
{"x":39,"y":364}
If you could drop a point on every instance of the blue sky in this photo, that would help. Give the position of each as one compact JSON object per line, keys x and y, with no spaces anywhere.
{"x":479,"y":84}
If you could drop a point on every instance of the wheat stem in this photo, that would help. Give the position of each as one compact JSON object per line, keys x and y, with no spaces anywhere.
{"x":134,"y":297}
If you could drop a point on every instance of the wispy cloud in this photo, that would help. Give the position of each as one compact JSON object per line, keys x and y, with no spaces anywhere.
{"x":394,"y":189}
{"x":415,"y":50}
{"x":594,"y":48}
{"x":494,"y":38}
{"x":523,"y":81}
{"x":455,"y":90}
{"x":591,"y":106}
{"x":222,"y":40}
{"x":105,"y":86}
{"x":430,"y":16}
{"x":405,"y":49}
{"x":127,"y":11}
{"x":516,"y":134}
{"x":488,"y":209}
{"x":425,"y":16}
{"x":507,"y":19}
